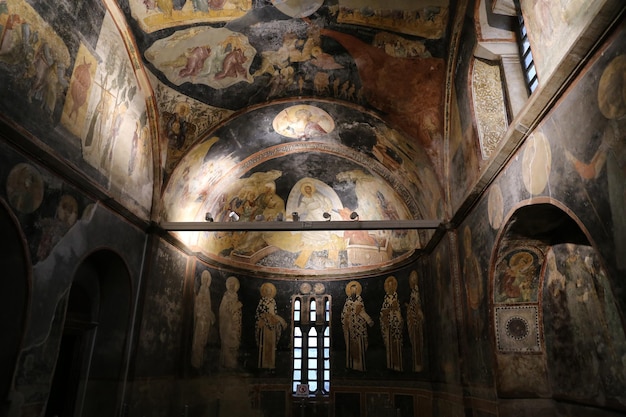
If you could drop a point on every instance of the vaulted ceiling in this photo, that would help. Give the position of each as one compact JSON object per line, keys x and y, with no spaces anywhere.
{"x":260,"y":99}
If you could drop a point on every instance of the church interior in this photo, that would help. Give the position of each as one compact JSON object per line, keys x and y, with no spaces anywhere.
{"x":333,"y":208}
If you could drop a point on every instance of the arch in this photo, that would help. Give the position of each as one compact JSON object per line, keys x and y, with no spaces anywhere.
{"x":566,"y":326}
{"x":89,"y":376}
{"x":15,"y":291}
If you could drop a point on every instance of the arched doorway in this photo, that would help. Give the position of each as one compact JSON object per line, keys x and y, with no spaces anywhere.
{"x":556,"y":324}
{"x":89,"y":375}
{"x":14,"y":292}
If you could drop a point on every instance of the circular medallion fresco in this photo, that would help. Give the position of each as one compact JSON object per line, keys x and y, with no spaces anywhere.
{"x":303,"y":122}
{"x":25,"y":188}
{"x":298,"y":8}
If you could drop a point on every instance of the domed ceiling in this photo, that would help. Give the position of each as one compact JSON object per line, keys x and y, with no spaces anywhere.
{"x":309,"y":106}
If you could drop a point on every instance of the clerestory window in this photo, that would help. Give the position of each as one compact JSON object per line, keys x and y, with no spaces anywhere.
{"x":528,"y":64}
{"x":311,"y":343}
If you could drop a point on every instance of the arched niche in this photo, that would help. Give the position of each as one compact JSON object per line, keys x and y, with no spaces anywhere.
{"x":91,"y":365}
{"x":14,"y":295}
{"x":554,"y":317}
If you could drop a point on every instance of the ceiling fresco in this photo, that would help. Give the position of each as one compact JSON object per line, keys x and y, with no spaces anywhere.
{"x":259,"y":100}
{"x":259,"y":164}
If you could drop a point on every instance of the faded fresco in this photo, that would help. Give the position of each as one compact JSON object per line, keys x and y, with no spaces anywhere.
{"x":424,"y":18}
{"x":218,"y":58}
{"x":273,"y":184}
{"x":153,"y":15}
{"x":255,"y":198}
{"x":115,"y":133}
{"x":553,"y":27}
{"x":464,"y":144}
{"x":52,"y":207}
{"x":585,"y":331}
{"x":517,"y":278}
{"x":442,"y":327}
{"x":81,"y":94}
{"x":159,"y":346}
{"x":183,"y":121}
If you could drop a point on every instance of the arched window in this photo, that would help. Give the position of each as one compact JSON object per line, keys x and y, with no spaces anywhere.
{"x":311,"y":343}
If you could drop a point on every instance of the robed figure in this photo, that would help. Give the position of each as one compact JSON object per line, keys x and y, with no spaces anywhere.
{"x":354,"y":320}
{"x":415,"y":323}
{"x":269,"y":326}
{"x":391,"y":325}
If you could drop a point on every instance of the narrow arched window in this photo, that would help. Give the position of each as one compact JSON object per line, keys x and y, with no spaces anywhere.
{"x":311,"y":343}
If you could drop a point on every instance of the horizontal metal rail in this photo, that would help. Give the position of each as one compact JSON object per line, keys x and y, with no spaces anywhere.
{"x":299,"y":225}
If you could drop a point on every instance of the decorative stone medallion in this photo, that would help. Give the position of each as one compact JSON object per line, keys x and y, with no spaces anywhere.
{"x":517,"y":329}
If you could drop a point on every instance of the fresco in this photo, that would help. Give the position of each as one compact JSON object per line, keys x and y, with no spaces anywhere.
{"x":70,"y":88}
{"x":425,"y":18}
{"x":153,"y":15}
{"x":303,"y":122}
{"x":254,"y":198}
{"x":115,"y":134}
{"x":183,"y":120}
{"x":162,"y":333}
{"x":218,"y":58}
{"x":442,"y":326}
{"x":518,"y":276}
{"x":582,"y":313}
{"x":51,"y":209}
{"x":34,"y":54}
{"x":218,"y":176}
{"x":555,"y":23}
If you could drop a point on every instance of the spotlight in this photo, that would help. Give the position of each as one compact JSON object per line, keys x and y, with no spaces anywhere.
{"x":326,"y":216}
{"x":233,"y":216}
{"x":354,"y":216}
{"x":280,"y":217}
{"x":208,"y":217}
{"x":295,"y":216}
{"x":259,"y":218}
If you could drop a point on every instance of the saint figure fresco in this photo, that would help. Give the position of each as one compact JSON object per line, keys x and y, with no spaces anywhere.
{"x":204,"y":318}
{"x":230,"y":324}
{"x":269,"y":326}
{"x":415,"y":323}
{"x":391,"y":325}
{"x":354,"y":321}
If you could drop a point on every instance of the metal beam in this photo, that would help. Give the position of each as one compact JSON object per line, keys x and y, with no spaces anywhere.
{"x":300,"y":225}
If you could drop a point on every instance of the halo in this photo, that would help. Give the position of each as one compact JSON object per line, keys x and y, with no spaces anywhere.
{"x":268,"y":290}
{"x":358,"y":288}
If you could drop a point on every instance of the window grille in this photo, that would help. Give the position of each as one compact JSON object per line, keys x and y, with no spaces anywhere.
{"x":311,"y":343}
{"x":528,"y":64}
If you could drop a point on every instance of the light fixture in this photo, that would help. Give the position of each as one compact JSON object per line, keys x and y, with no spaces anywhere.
{"x":233,"y":216}
{"x":354,"y":216}
{"x":326,"y":216}
{"x":208,"y":217}
{"x":259,"y":218}
{"x":295,"y":216}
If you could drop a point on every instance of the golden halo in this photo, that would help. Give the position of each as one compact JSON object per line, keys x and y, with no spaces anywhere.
{"x":612,"y":89}
{"x":268,"y":290}
{"x":350,"y":285}
{"x":521,"y":260}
